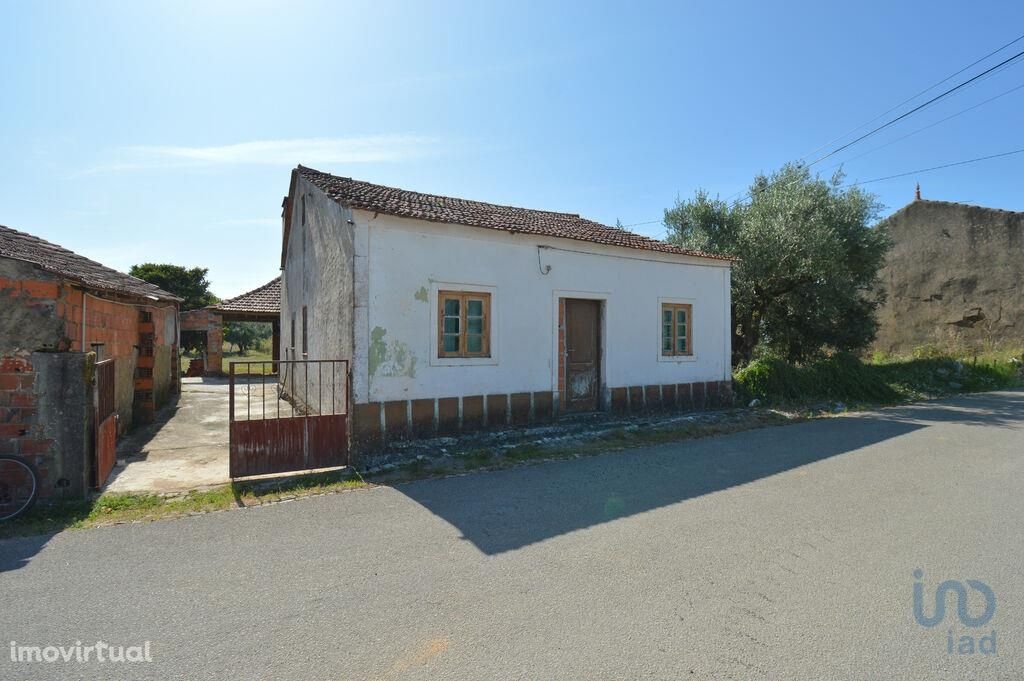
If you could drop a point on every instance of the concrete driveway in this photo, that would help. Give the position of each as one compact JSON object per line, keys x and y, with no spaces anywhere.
{"x":186,"y":448}
{"x":785,"y":553}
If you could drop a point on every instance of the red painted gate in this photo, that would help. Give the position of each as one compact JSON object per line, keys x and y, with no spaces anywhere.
{"x":105,"y":441}
{"x":288,"y":415}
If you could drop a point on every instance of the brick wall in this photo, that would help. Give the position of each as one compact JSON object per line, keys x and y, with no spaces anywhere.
{"x":18,"y":408}
{"x":19,"y":431}
{"x":44,"y":415}
{"x":213,"y":324}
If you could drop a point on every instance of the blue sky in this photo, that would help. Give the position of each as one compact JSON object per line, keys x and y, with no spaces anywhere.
{"x":148,"y":131}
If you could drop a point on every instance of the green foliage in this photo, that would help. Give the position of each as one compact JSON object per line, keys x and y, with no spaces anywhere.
{"x":841,"y":377}
{"x":808,"y":269}
{"x":844,"y":377}
{"x":189,"y":284}
{"x":246,"y":335}
{"x":192,"y":342}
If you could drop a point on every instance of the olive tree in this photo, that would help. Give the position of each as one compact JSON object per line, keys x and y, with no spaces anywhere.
{"x":807,"y":275}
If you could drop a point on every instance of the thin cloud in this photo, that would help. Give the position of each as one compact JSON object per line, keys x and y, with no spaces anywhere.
{"x":285,"y":152}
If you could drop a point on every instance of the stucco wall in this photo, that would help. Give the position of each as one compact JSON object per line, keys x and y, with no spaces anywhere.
{"x":64,"y":418}
{"x":162,"y":375}
{"x":953,"y":278}
{"x":29,"y":321}
{"x":409,"y":261}
{"x":318,"y":275}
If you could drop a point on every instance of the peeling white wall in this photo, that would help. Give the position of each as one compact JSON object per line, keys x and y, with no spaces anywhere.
{"x":401,"y":263}
{"x":318,"y":274}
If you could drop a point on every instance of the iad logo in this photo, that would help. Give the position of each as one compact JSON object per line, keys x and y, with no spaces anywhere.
{"x":964,"y":645}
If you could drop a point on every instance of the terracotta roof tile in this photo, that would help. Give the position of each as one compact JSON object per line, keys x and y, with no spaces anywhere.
{"x":61,"y":261}
{"x":403,"y":203}
{"x":265,"y":299}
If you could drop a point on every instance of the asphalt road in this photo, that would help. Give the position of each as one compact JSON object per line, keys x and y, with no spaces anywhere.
{"x":784,"y":553}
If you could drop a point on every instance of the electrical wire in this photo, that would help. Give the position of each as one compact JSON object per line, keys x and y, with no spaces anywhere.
{"x":1005,"y":62}
{"x":974,"y":79}
{"x":930,"y":125}
{"x":910,"y":99}
{"x":945,"y":165}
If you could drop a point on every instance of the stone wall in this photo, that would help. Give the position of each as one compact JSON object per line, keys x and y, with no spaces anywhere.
{"x":953,"y":279}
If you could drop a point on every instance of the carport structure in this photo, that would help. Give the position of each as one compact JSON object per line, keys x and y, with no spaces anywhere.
{"x":262,"y":304}
{"x":259,"y":305}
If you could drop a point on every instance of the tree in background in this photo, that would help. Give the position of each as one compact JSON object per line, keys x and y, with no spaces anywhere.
{"x":189,"y":284}
{"x":246,"y":335}
{"x":807,"y":279}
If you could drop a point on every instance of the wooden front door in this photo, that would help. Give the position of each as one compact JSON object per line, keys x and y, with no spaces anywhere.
{"x":582,"y":354}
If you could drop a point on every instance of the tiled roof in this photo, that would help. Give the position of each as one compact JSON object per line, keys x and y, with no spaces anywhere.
{"x":61,"y":261}
{"x":265,"y":299}
{"x":409,"y":204}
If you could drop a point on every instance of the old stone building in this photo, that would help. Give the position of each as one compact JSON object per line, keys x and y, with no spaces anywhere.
{"x":953,"y":278}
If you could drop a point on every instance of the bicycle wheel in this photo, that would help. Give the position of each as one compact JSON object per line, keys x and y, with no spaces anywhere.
{"x":19,"y":486}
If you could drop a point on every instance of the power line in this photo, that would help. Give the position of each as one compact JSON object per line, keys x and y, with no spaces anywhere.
{"x":930,"y":125}
{"x":946,"y":165}
{"x":1005,"y":63}
{"x":923,"y":170}
{"x":916,"y":109}
{"x":919,"y":107}
{"x":910,"y":99}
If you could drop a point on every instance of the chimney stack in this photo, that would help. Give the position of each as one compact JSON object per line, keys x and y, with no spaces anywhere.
{"x":917,"y":192}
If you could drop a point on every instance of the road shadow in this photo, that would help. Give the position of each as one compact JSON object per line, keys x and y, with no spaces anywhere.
{"x":17,"y":552}
{"x":1004,"y":409}
{"x":509,"y":509}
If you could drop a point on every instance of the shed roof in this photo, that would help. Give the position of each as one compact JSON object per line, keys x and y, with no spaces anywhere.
{"x":263,"y":300}
{"x":433,"y":208}
{"x":89,"y":273}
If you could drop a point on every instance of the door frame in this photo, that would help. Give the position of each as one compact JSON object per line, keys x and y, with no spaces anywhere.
{"x":604,"y":298}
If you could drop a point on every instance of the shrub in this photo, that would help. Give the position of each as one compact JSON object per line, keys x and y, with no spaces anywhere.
{"x":840,"y":377}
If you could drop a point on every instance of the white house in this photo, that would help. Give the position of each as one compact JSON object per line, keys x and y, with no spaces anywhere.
{"x":458,"y":314}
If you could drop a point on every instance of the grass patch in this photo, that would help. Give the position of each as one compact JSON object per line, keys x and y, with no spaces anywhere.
{"x":881,"y":380}
{"x":122,"y":508}
{"x":254,"y":355}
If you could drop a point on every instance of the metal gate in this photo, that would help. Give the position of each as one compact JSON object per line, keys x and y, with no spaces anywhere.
{"x":288,"y":415}
{"x":105,"y":441}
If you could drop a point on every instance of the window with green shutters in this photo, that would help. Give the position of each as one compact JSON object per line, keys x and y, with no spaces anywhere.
{"x":676,"y":329}
{"x":464,"y":324}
